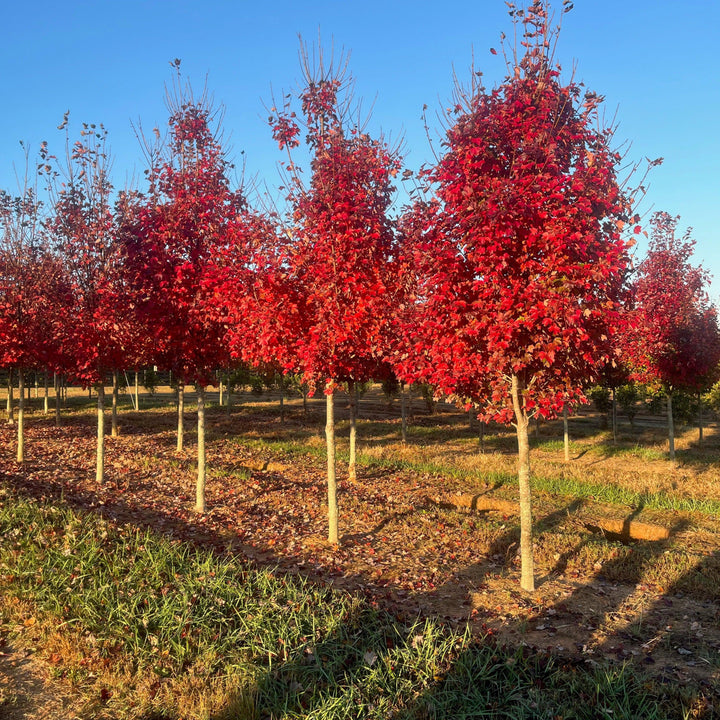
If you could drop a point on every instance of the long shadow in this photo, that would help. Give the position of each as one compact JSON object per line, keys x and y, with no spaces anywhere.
{"x":510,"y":681}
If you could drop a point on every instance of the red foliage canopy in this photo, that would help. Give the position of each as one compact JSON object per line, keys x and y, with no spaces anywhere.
{"x":334,"y":283}
{"x":33,"y":288}
{"x":519,"y":255}
{"x":174,"y":239}
{"x":84,"y":228}
{"x":673,"y":339}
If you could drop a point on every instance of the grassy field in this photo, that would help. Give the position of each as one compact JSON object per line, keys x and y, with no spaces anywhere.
{"x":135,"y":607}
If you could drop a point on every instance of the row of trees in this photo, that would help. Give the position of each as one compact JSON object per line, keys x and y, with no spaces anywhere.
{"x":505,"y":284}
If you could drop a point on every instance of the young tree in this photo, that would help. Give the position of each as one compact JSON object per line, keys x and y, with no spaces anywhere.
{"x":519,"y":256}
{"x":673,"y":338}
{"x":334,"y":283}
{"x":83,"y":226}
{"x":32,"y":293}
{"x":180,"y":227}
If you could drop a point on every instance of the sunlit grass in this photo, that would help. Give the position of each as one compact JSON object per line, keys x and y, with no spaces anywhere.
{"x":144,"y":626}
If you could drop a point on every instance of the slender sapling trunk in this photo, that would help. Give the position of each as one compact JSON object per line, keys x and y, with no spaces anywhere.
{"x":352,"y":466}
{"x":614,"y":416}
{"x":114,"y":420}
{"x":46,"y":403}
{"x":403,"y":414}
{"x":181,"y":416}
{"x":10,"y":403}
{"x":566,"y":434}
{"x":100,"y":465}
{"x":200,"y":487}
{"x":21,"y":417}
{"x":671,"y":427}
{"x":700,"y":420}
{"x":137,"y":391}
{"x":332,"y":485}
{"x":527,"y":572}
{"x":58,"y":399}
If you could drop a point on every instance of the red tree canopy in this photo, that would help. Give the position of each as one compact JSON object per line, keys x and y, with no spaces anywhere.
{"x":673,"y":339}
{"x":180,"y":228}
{"x":34,"y":294}
{"x":337,"y":271}
{"x":519,"y":255}
{"x":83,"y":226}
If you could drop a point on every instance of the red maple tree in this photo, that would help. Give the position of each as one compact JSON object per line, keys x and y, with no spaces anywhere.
{"x":672,"y":340}
{"x":83,"y":227}
{"x":33,"y":294}
{"x":336,"y":273}
{"x":519,"y":256}
{"x":175,"y":234}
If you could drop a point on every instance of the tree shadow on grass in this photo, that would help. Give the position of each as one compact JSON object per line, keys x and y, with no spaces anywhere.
{"x":375,"y":665}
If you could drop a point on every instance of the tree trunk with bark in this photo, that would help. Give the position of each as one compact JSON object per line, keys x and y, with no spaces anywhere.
{"x":10,"y":404}
{"x":566,"y":434}
{"x":614,"y":416}
{"x":332,"y":484}
{"x":58,"y":399}
{"x":21,"y":417}
{"x":527,"y":572}
{"x":671,"y":427}
{"x":200,"y":486}
{"x":114,"y":417}
{"x":181,"y":417}
{"x":700,"y":420}
{"x":403,"y":414}
{"x":352,"y":464}
{"x":100,"y":464}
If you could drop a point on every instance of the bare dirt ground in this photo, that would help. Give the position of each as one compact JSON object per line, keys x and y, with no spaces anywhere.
{"x":409,"y":541}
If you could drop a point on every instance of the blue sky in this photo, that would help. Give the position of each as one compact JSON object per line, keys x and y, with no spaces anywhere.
{"x":108,"y":62}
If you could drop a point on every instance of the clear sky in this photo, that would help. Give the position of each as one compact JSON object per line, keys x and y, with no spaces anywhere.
{"x":107,"y":61}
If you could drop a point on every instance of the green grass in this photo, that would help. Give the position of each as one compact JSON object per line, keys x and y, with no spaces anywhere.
{"x":178,"y":623}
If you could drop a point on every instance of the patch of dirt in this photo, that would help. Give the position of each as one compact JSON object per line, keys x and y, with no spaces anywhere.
{"x":27,"y":692}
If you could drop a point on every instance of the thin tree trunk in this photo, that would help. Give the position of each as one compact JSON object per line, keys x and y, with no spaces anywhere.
{"x":220,"y":392}
{"x":100,"y":465}
{"x":200,"y":487}
{"x":527,"y":572}
{"x":403,"y":414}
{"x":21,"y":417}
{"x":352,"y":466}
{"x":305,"y":409}
{"x":46,"y":403}
{"x":671,"y":428}
{"x":566,"y":434}
{"x":614,"y":416}
{"x":137,"y":390}
{"x":181,"y":416}
{"x":228,"y":399}
{"x":481,"y":437}
{"x":332,"y":485}
{"x":58,"y":399}
{"x":700,"y":420}
{"x":282,"y":406}
{"x":10,"y":404}
{"x":114,"y":421}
